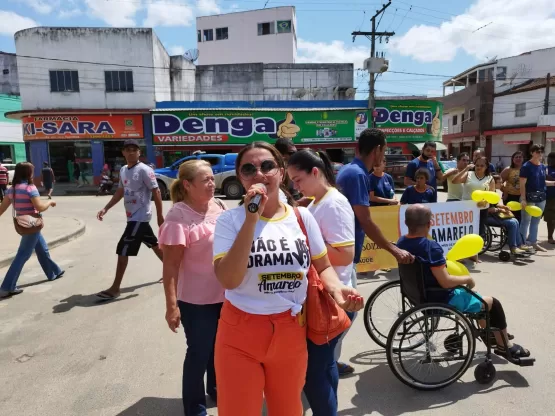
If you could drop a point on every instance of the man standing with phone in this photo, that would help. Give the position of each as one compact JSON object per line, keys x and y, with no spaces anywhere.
{"x":426,"y":160}
{"x":137,"y":184}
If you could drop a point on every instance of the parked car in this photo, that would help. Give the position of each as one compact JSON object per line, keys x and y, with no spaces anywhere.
{"x":219,"y":163}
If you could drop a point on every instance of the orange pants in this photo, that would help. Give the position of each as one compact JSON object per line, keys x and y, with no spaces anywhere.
{"x":256,"y":356}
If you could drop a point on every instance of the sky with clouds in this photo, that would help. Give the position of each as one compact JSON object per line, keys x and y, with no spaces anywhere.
{"x":433,"y":37}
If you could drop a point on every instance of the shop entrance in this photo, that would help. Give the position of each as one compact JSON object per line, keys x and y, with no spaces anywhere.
{"x":71,"y":161}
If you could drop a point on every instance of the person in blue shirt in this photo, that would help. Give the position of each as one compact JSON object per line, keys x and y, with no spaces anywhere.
{"x":533,"y":191}
{"x":420,"y":193}
{"x":549,"y":212}
{"x":382,"y":187}
{"x":426,"y":160}
{"x":354,"y":182}
{"x":429,"y":254}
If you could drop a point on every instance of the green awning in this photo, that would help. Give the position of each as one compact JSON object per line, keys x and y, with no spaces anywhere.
{"x":439,"y":146}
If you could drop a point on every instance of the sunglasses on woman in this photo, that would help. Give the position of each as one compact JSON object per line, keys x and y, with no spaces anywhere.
{"x":267,"y":167}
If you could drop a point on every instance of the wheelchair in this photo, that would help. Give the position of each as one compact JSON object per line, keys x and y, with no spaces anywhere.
{"x":495,"y":239}
{"x":431,"y":345}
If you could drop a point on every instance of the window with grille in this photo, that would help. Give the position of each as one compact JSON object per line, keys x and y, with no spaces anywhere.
{"x":64,"y":81}
{"x":520,"y":110}
{"x":119,"y":81}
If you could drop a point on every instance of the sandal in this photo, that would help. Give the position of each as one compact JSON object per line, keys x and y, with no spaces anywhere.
{"x":344,"y":369}
{"x":516,"y":351}
{"x":105,"y":295}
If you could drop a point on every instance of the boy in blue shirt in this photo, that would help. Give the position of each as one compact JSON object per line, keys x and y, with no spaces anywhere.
{"x":429,"y":254}
{"x":426,"y":160}
{"x":420,"y":193}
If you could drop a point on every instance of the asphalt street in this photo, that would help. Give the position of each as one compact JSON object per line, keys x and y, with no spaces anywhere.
{"x":64,"y":353}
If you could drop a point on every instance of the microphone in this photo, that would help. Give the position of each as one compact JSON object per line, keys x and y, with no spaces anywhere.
{"x":254,"y":204}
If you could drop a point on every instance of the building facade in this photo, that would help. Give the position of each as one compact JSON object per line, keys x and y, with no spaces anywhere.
{"x":522,"y":112}
{"x":266,"y":35}
{"x":274,"y":82}
{"x":12,"y":148}
{"x":86,"y":90}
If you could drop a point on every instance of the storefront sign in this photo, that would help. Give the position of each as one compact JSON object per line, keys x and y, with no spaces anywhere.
{"x":410,"y":120}
{"x":242,"y":127}
{"x":450,"y":221}
{"x":82,"y":127}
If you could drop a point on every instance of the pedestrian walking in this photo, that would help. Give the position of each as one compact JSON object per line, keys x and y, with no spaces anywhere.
{"x":47,"y":179}
{"x":137,"y":185}
{"x":262,"y":259}
{"x":312,"y":173}
{"x":194,"y":296}
{"x":4,"y":179}
{"x":25,"y":200}
{"x":76,"y":173}
{"x":84,"y":173}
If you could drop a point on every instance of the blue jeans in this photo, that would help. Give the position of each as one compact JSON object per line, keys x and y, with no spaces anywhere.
{"x":29,"y":243}
{"x":200,"y":323}
{"x":512,"y":226}
{"x":529,"y":225}
{"x":322,"y":377}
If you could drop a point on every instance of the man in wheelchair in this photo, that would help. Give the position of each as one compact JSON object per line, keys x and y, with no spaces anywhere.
{"x":430,"y":254}
{"x":501,"y":216}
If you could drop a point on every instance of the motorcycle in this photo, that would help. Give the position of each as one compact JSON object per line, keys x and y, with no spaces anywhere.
{"x":105,"y":186}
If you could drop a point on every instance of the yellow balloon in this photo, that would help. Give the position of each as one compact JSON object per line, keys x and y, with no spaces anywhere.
{"x":514,"y":206}
{"x":454,"y":268}
{"x":492,"y":197}
{"x":478,"y":196}
{"x":534,"y":211}
{"x":467,"y":246}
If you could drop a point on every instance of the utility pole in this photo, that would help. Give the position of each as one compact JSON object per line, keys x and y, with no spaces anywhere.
{"x":546,"y":105}
{"x":372,"y":36}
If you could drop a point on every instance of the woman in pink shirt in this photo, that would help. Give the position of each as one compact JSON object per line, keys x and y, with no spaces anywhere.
{"x":25,"y":200}
{"x":193,"y":294}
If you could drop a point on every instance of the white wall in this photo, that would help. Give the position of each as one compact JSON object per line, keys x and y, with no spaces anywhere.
{"x":161,"y":63}
{"x":448,"y":120}
{"x":182,"y":79}
{"x":133,"y":47}
{"x":535,"y":64}
{"x":504,"y":108}
{"x":9,"y":83}
{"x":244,"y":45}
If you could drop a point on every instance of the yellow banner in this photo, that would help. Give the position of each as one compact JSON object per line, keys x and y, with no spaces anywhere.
{"x":373,"y":257}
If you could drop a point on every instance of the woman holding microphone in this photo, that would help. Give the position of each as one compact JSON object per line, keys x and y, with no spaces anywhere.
{"x":262,"y":258}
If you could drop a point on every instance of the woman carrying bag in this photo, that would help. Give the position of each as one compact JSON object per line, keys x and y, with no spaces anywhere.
{"x":262,"y":257}
{"x":26,"y":208}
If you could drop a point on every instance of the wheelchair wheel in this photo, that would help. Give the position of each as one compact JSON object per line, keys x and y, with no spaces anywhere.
{"x":485,"y":372}
{"x":504,"y":255}
{"x":498,"y":238}
{"x":487,"y":240}
{"x":383,"y":307}
{"x":431,"y":365}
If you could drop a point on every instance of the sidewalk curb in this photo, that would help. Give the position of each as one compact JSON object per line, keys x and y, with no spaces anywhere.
{"x":59,"y":241}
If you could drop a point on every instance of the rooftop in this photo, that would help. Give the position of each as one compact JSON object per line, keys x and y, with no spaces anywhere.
{"x":530,"y":85}
{"x":246,"y":11}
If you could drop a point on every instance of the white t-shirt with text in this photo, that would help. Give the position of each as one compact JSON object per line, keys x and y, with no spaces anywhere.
{"x":278,"y":263}
{"x":336,"y":220}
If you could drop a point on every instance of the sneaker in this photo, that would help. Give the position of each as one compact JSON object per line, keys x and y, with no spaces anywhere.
{"x":7,"y":294}
{"x":517,"y":251}
{"x":527,"y":249}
